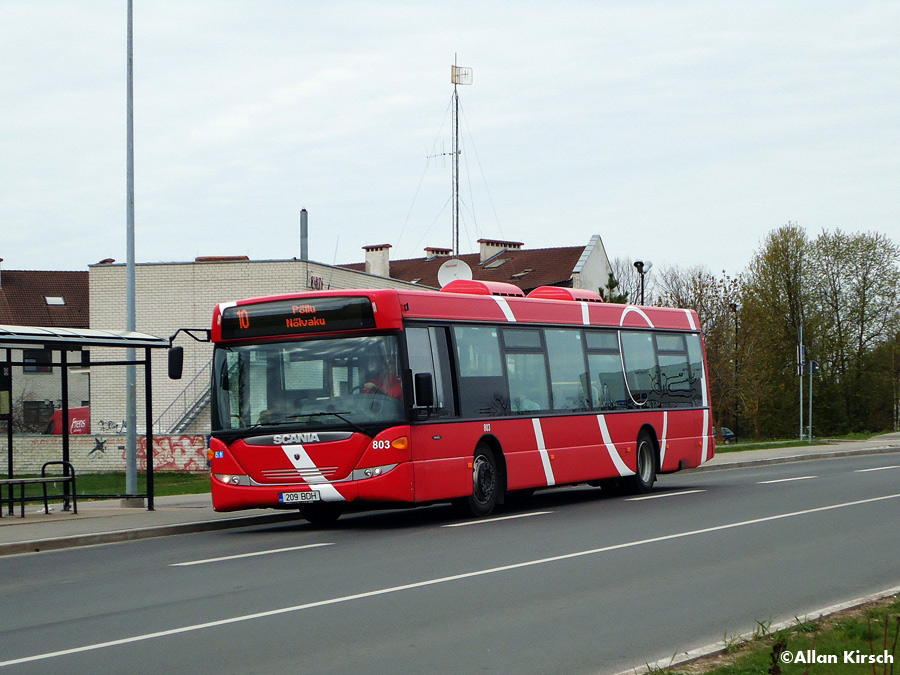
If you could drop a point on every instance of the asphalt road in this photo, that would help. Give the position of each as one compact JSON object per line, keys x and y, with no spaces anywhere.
{"x":572,"y":582}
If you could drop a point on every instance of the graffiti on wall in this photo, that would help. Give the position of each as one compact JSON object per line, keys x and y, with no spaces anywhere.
{"x":111,"y":427}
{"x":173,"y":453}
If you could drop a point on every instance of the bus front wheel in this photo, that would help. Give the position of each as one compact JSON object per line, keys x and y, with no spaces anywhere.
{"x":486,"y":483}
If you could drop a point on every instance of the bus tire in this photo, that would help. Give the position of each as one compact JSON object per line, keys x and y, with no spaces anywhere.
{"x":642,"y":481}
{"x":486,"y":482}
{"x":323,"y":514}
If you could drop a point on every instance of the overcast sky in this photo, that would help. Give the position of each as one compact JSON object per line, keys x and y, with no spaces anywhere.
{"x":681,"y":132}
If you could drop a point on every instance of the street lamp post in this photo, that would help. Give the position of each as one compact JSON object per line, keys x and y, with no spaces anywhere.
{"x":642,"y":266}
{"x":735,"y":308}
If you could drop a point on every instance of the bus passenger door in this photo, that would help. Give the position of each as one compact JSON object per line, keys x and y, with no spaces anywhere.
{"x":437,"y":453}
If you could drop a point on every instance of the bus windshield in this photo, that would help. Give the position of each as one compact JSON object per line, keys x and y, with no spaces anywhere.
{"x":347,"y":383}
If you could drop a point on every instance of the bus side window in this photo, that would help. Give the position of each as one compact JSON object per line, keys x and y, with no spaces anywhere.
{"x":673,"y":370}
{"x":607,"y":379}
{"x":569,"y":381}
{"x":695,"y":357}
{"x":483,"y":391}
{"x":641,"y":368}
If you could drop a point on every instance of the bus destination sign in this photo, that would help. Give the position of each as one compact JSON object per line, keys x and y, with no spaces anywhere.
{"x":290,"y":317}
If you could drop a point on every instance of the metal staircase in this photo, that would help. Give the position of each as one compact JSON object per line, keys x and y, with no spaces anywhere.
{"x":187,"y":406}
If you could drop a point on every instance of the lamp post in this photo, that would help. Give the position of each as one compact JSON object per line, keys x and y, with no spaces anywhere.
{"x":642,"y":267}
{"x":734,"y":308}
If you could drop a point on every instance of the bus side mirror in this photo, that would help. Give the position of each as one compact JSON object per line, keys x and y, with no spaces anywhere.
{"x":176,"y":362}
{"x":424,"y":390}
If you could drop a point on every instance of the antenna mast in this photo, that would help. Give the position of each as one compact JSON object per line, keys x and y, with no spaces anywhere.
{"x":458,"y":75}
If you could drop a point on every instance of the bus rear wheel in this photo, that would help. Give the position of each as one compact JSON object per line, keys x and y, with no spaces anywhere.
{"x":322,"y":514}
{"x":645,"y":476}
{"x":486,"y":483}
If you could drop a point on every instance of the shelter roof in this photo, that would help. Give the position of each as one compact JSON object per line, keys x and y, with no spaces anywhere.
{"x":68,"y":338}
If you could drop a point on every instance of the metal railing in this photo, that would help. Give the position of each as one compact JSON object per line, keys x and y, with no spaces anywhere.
{"x":188,"y":405}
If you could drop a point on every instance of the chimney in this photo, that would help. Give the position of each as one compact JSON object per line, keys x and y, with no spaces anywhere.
{"x":378,"y":260}
{"x":492,"y":247}
{"x":432,"y":252}
{"x":304,"y":235}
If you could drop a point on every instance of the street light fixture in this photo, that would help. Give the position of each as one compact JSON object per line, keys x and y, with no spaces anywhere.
{"x":642,"y":266}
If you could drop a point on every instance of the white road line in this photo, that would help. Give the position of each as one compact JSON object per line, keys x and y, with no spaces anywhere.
{"x":784,"y":480}
{"x":485,"y":521}
{"x":248,"y":555}
{"x":664,"y":494}
{"x":878,"y":468}
{"x":434,"y":582}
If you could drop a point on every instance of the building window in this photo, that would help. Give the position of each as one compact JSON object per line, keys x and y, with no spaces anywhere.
{"x":37,"y":361}
{"x":36,"y":414}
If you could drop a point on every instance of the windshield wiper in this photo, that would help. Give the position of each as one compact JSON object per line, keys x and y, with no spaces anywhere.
{"x":267,"y":424}
{"x":339,"y":415}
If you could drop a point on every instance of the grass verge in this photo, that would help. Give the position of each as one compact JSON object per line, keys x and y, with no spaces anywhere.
{"x":858,"y":641}
{"x":787,"y":442}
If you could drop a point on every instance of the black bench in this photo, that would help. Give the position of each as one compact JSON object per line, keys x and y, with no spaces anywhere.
{"x":42,"y":480}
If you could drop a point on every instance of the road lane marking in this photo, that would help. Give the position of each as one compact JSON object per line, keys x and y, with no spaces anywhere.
{"x":248,"y":555}
{"x":784,"y":480}
{"x":484,"y":521}
{"x":663,"y":494}
{"x":434,"y":582}
{"x":878,"y":468}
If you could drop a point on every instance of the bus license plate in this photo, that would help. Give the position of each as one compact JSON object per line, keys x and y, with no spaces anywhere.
{"x":298,"y":497}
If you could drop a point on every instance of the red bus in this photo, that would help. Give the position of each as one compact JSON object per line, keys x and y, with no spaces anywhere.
{"x":320,"y":399}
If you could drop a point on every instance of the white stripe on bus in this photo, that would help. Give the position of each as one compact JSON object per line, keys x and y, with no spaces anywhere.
{"x":690,"y":316}
{"x":542,"y":449}
{"x":631,"y":308}
{"x":301,"y":461}
{"x":705,"y":435}
{"x":662,"y":449}
{"x":621,"y":467}
{"x":504,"y":307}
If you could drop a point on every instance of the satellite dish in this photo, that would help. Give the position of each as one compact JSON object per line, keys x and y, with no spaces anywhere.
{"x":453,"y":270}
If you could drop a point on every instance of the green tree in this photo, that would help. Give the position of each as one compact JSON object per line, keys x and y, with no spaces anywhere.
{"x":611,"y":293}
{"x":854,"y":280}
{"x":772,"y":312}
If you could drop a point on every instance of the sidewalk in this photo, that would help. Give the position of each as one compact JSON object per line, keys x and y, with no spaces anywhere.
{"x":103,"y":522}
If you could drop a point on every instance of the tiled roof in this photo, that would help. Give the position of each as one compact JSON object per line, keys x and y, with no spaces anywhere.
{"x":526,"y":268}
{"x":24,"y":298}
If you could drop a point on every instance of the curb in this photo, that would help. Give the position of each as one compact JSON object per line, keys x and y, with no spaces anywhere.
{"x":786,"y":459}
{"x":720,"y":647}
{"x":97,"y":538}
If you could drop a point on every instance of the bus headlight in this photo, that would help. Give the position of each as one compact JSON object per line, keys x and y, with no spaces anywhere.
{"x":371,"y":472}
{"x":232,"y":479}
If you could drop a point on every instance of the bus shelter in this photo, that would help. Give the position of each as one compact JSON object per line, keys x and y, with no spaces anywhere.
{"x":61,"y":343}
